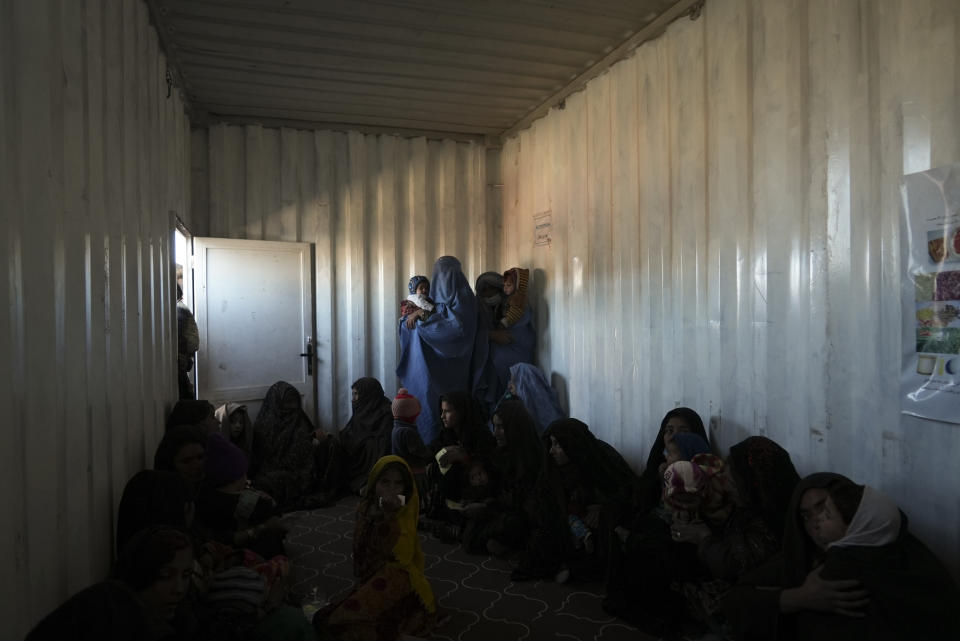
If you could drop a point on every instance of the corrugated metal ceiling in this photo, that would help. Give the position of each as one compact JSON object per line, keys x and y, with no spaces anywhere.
{"x":461,"y":67}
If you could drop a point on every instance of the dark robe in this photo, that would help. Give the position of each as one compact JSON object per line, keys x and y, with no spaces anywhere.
{"x":912,"y":596}
{"x":367,"y":436}
{"x":295,"y":469}
{"x":106,"y":611}
{"x":473,"y":436}
{"x":529,"y":512}
{"x":151,"y":498}
{"x":596,"y":474}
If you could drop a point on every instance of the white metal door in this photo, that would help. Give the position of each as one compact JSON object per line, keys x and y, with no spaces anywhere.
{"x":254,"y":310}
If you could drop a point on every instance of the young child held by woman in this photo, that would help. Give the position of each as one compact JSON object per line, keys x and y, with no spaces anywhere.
{"x":418,"y":300}
{"x":515,"y":282}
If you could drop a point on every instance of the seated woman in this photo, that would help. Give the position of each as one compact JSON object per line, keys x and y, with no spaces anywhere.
{"x":436,"y":351}
{"x":734,"y":534}
{"x":393,"y":597}
{"x":677,"y":420}
{"x":529,"y":514}
{"x":530,"y":385}
{"x":197,"y":413}
{"x":367,"y":436}
{"x":142,"y":601}
{"x":850,"y":570}
{"x":599,"y":487}
{"x":151,"y":498}
{"x":661,"y":555}
{"x":765,"y":479}
{"x":182,"y":450}
{"x":501,"y":343}
{"x":298,"y":469}
{"x":464,"y":436}
{"x":231,"y":512}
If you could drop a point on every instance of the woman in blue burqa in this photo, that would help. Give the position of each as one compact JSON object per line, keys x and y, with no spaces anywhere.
{"x":435,"y":352}
{"x":499,"y":347}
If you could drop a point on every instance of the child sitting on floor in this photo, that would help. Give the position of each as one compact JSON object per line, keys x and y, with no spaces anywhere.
{"x":392,"y":597}
{"x":418,"y":300}
{"x":515,"y":282}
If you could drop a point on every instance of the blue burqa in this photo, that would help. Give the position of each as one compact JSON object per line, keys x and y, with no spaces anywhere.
{"x":435,"y":356}
{"x":492,"y":361}
{"x":537,"y":394}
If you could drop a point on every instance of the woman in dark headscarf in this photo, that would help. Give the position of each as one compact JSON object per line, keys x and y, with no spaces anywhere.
{"x":142,"y":601}
{"x":599,"y":487}
{"x":464,"y":437}
{"x":680,"y":419}
{"x":182,"y":450}
{"x":296,"y":469}
{"x":765,"y":478}
{"x":529,"y":513}
{"x":153,"y":498}
{"x":850,"y":570}
{"x":190,"y":412}
{"x":435,"y":352}
{"x":366,"y":437}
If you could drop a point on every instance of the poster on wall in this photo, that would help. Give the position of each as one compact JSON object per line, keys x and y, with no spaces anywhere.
{"x":542,"y":229}
{"x":930,"y":294}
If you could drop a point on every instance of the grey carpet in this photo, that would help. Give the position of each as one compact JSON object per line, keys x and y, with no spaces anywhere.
{"x":485,"y":605}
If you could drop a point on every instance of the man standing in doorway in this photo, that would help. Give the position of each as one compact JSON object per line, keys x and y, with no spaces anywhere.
{"x":188,"y":341}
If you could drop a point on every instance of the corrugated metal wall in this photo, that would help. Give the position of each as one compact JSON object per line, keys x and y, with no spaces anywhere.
{"x":93,"y":158}
{"x":726,"y":235}
{"x":378,"y":208}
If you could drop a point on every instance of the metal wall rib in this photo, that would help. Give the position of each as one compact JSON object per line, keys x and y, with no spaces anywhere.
{"x":93,"y":160}
{"x":378,"y":209}
{"x":726,"y":235}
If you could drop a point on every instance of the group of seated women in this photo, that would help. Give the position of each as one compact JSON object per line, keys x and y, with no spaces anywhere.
{"x":200,"y":540}
{"x":739,"y":547}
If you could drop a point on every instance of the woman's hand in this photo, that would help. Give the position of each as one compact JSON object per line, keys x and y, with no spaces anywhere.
{"x":389,"y":504}
{"x":473,"y":510}
{"x":273,"y":525}
{"x":412,"y":319}
{"x":592,"y":519}
{"x":845,"y":596}
{"x":454,"y":454}
{"x":689,"y":532}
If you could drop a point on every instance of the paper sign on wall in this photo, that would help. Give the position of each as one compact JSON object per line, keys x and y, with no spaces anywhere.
{"x":542,"y":228}
{"x":930,"y":294}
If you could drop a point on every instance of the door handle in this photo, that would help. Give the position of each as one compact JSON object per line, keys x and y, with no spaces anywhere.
{"x":309,"y":356}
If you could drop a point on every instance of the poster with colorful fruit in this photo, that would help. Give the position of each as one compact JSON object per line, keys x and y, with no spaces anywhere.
{"x":930,"y":370}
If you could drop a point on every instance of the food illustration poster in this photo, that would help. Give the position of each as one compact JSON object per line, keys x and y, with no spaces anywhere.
{"x":930,"y":296}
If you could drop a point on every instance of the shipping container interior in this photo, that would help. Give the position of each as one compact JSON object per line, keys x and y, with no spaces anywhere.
{"x":708,"y":204}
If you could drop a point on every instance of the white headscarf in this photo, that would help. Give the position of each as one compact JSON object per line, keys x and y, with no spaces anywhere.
{"x":876,"y":523}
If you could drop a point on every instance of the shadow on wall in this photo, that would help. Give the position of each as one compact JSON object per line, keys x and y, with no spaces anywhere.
{"x":559,"y":384}
{"x":541,"y":314}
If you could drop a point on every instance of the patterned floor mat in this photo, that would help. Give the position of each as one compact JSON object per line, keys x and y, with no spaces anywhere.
{"x":485,"y":605}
